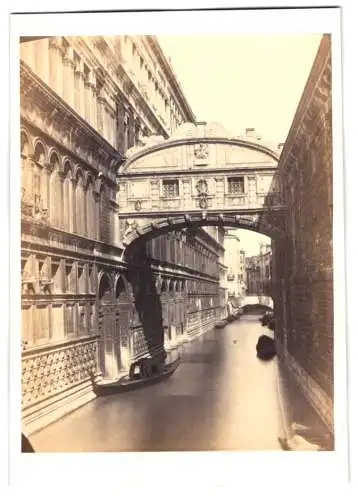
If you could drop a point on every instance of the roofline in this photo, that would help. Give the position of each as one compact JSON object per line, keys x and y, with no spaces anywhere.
{"x":156,"y":47}
{"x":166,"y":144}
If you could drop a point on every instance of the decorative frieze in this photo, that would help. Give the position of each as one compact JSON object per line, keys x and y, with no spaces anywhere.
{"x":56,"y":369}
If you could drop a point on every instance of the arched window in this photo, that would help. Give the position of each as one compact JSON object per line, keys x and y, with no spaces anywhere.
{"x":104,"y":289}
{"x":67,"y":199}
{"x":90,"y":210}
{"x":79,"y":214}
{"x":25,"y":167}
{"x":56,"y":202}
{"x":103,"y":215}
{"x":40,"y":179}
{"x":120,"y":287}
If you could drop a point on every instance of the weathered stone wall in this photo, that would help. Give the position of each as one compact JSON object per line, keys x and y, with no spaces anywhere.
{"x":303,"y":268}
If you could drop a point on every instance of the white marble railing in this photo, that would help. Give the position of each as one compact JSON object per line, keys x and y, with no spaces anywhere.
{"x":54,"y":369}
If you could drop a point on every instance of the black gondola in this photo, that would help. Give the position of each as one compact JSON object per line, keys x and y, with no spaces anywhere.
{"x":265,"y":348}
{"x":124,"y":384}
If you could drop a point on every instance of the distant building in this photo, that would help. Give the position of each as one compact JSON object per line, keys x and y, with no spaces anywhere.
{"x":218,"y":234}
{"x":259,"y":271}
{"x":235,"y":262}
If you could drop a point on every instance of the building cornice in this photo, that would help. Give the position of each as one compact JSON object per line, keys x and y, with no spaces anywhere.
{"x":44,"y":109}
{"x":170,"y":75}
{"x":119,"y":82}
{"x":209,"y":241}
{"x":315,"y":97}
{"x":197,"y":172}
{"x":172,"y":143}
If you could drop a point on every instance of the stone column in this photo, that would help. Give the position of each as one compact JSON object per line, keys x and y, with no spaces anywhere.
{"x":97,"y":222}
{"x":91,"y":100}
{"x":100,"y":126}
{"x":68,"y":76}
{"x":87,"y":101}
{"x":55,"y":66}
{"x":43,"y":59}
{"x":46,"y":188}
{"x":105,"y":124}
{"x":82,"y":90}
{"x":95,"y":109}
{"x":84,"y":212}
{"x":27,"y":53}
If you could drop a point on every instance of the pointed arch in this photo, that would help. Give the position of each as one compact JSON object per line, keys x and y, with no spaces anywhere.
{"x":90,"y":207}
{"x":67,"y":166}
{"x":25,"y":142}
{"x":79,"y":221}
{"x":26,"y":169}
{"x":105,"y":290}
{"x":40,"y":153}
{"x":56,"y":195}
{"x":40,"y":178}
{"x":67,"y":195}
{"x":103,"y":213}
{"x":120,"y":286}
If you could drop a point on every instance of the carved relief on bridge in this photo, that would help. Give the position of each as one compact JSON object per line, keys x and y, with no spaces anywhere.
{"x":203,"y":154}
{"x":233,"y":192}
{"x":196,"y":170}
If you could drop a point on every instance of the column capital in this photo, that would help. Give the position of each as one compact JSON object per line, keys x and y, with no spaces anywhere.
{"x":55,"y":42}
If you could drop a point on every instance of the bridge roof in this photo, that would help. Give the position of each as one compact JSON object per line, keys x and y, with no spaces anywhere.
{"x":196,"y":146}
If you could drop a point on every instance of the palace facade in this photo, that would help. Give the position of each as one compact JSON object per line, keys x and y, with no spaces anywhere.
{"x":85,"y":101}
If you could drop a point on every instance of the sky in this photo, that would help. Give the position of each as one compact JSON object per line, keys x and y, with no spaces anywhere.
{"x":247,"y":81}
{"x":243,"y":81}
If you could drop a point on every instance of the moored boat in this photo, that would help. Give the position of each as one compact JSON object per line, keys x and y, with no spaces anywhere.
{"x":103,"y":387}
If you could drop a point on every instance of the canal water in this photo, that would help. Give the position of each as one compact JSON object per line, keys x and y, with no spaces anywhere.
{"x":222,"y":397}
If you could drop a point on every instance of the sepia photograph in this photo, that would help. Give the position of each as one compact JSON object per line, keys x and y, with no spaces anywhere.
{"x":178,"y":205}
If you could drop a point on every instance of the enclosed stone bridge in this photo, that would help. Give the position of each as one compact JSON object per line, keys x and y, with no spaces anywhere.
{"x":198,"y":177}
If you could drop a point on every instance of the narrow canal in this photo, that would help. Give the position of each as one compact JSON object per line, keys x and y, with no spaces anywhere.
{"x":220,"y":398}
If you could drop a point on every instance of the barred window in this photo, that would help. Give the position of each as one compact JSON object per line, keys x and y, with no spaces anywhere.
{"x":236,"y":185}
{"x":171,"y":188}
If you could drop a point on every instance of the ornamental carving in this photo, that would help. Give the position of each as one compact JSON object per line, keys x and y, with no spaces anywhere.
{"x":40,"y":106}
{"x":51,"y":372}
{"x":203,"y":203}
{"x":131,"y":226}
{"x":26,"y":203}
{"x":201,"y":151}
{"x":203,"y":193}
{"x":202,"y":187}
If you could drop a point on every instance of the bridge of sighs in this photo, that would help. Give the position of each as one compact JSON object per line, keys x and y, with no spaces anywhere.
{"x":198,"y":177}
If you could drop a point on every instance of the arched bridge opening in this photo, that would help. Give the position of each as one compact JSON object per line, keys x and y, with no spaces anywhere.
{"x":140,"y":234}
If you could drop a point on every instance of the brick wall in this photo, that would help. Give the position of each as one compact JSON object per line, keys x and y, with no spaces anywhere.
{"x":302,"y":267}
